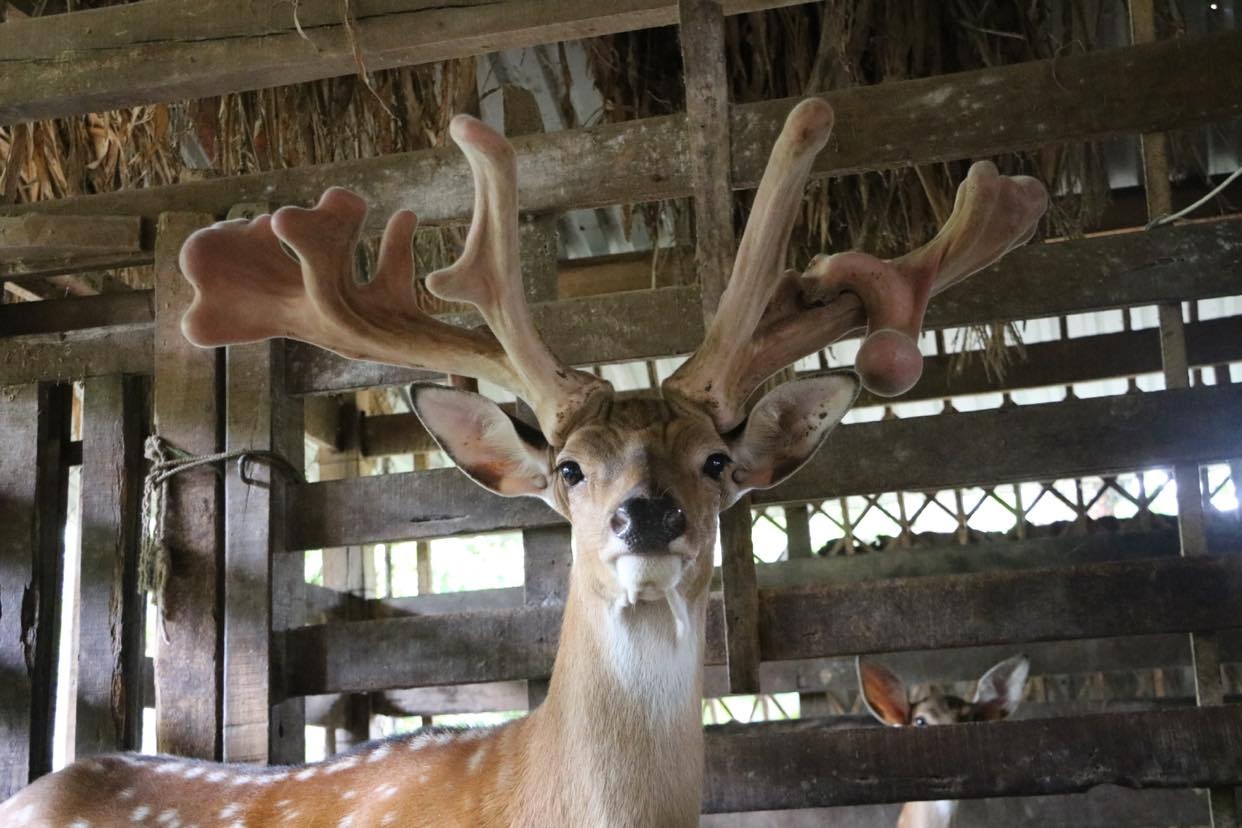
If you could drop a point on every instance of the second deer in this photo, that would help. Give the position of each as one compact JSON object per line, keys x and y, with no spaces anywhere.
{"x":997,"y":696}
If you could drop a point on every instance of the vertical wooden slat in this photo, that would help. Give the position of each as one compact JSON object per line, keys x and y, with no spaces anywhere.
{"x":707,"y":123}
{"x":110,"y":651}
{"x":34,"y":424}
{"x":547,"y":559}
{"x":187,"y":387}
{"x":741,"y":598}
{"x":1209,"y":687}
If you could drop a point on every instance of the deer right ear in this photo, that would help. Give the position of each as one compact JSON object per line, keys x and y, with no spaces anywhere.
{"x":883,"y":693}
{"x":1001,"y":689}
{"x":500,"y":454}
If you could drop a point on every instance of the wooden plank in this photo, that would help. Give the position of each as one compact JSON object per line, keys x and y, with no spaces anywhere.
{"x":546,"y":558}
{"x":1082,"y":97}
{"x":1144,"y":597}
{"x":185,"y":387}
{"x":1029,"y":442}
{"x":111,"y":609}
{"x":740,"y":598}
{"x":791,"y":765}
{"x":34,"y":427}
{"x":123,"y":58}
{"x":79,"y":313}
{"x":55,"y":357}
{"x":588,"y":331}
{"x":702,"y":35}
{"x":1034,"y":442}
{"x":33,"y":237}
{"x":1105,"y":807}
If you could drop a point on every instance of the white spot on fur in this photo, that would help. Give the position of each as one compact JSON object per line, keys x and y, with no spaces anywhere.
{"x":386,"y":791}
{"x":306,"y":773}
{"x":194,"y":771}
{"x":389,"y":818}
{"x":169,"y":767}
{"x":379,"y":753}
{"x":139,"y":813}
{"x":216,"y":776}
{"x":23,"y":816}
{"x":346,"y":821}
{"x":169,"y":818}
{"x":126,"y":795}
{"x":231,"y":810}
{"x":344,"y":764}
{"x":476,"y":760}
{"x":80,"y":823}
{"x":349,"y":794}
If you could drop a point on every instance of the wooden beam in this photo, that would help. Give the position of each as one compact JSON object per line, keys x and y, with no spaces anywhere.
{"x":34,"y":237}
{"x":806,"y":764}
{"x":1145,"y":597}
{"x":740,"y":598}
{"x":111,"y":609}
{"x":187,"y":409}
{"x":1077,"y":97}
{"x":101,"y":352}
{"x":196,"y":50}
{"x":109,"y":310}
{"x":1031,"y":442}
{"x":34,"y":422}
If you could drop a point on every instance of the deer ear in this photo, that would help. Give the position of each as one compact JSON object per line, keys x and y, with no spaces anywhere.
{"x":786,"y":428}
{"x":499,"y":453}
{"x":1001,"y":689}
{"x":883,"y":693}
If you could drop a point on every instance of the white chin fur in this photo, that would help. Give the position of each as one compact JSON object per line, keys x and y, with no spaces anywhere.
{"x":652,"y":578}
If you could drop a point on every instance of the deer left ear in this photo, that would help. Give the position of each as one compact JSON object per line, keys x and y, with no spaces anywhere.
{"x":499,"y":453}
{"x":786,"y":428}
{"x":1001,"y":689}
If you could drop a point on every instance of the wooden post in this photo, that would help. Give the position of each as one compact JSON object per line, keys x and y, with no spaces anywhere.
{"x":260,"y":418}
{"x":547,"y":559}
{"x":187,"y":388}
{"x":1209,"y":687}
{"x":741,"y":598}
{"x":111,"y":609}
{"x":33,"y":487}
{"x":707,"y":124}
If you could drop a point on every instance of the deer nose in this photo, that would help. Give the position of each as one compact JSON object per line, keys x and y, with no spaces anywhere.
{"x":649,"y":524}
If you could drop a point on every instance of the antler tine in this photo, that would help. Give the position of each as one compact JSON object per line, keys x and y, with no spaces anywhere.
{"x":992,"y":214}
{"x":711,"y":378}
{"x":248,"y":289}
{"x":488,"y":276}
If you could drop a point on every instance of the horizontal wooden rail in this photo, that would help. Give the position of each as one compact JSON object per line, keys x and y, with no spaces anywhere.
{"x":1145,"y":88}
{"x":89,"y":61}
{"x":804,"y":764}
{"x":1030,"y":442}
{"x":1127,"y":598}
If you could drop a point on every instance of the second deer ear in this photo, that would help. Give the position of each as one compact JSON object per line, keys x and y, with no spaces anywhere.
{"x":883,"y":693}
{"x":786,"y":428}
{"x":497,"y":452}
{"x":1001,"y":689}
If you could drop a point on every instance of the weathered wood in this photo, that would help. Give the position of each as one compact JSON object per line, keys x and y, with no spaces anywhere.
{"x":1031,"y":442}
{"x":546,"y":558}
{"x":77,"y":356}
{"x":588,"y":331}
{"x":1144,"y":597}
{"x":1035,"y":442}
{"x":186,"y":382}
{"x":111,"y":609}
{"x":122,"y":58}
{"x":793,"y":765}
{"x":1074,"y":98}
{"x":34,"y":425}
{"x":741,"y":598}
{"x":32,"y":237}
{"x":702,"y":35}
{"x":1104,"y":807}
{"x":79,"y":313}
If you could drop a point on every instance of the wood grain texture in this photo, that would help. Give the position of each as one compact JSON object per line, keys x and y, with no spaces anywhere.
{"x":34,"y":237}
{"x":740,"y":598}
{"x":116,"y":58}
{"x":187,"y":412}
{"x":796,"y":765}
{"x":1074,"y":98}
{"x":111,"y":609}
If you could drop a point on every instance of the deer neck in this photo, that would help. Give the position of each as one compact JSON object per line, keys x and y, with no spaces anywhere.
{"x":623,"y":712}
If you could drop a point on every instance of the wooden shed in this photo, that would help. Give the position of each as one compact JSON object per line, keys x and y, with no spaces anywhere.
{"x":1062,"y":482}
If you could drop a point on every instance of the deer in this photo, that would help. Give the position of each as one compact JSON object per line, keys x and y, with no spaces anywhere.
{"x":997,"y":696}
{"x":641,"y":479}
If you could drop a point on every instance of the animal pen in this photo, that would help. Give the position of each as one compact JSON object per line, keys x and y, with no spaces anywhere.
{"x":1073,"y":497}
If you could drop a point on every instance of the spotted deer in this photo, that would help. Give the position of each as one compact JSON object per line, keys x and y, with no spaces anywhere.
{"x":641,"y":479}
{"x":997,"y":696}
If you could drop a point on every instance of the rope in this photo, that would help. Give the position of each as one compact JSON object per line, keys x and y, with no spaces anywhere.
{"x":168,"y":461}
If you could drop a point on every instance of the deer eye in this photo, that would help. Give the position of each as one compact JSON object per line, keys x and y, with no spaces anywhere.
{"x":920,"y":721}
{"x":570,"y":472}
{"x":715,"y":465}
